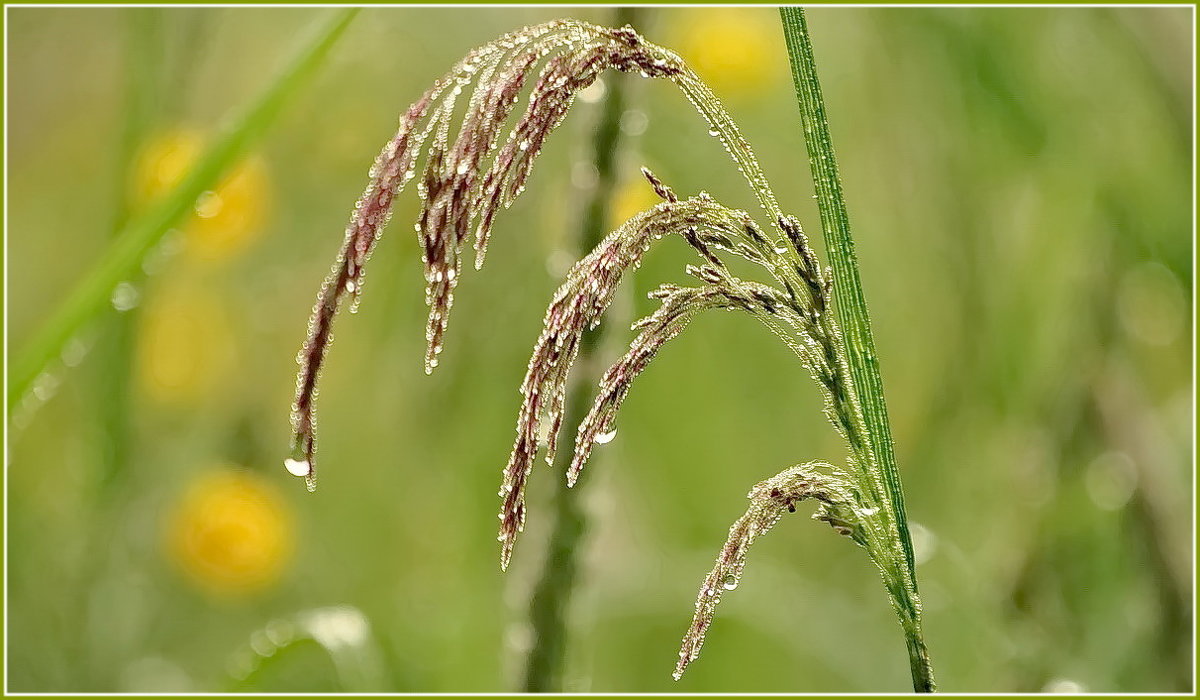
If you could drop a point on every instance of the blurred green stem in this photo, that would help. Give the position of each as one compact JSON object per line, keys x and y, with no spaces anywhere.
{"x":115,"y":346}
{"x":120,"y":261}
{"x":111,"y":357}
{"x":552,"y":594}
{"x":852,"y":310}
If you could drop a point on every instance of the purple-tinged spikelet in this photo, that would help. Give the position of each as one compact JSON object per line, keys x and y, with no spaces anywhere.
{"x":464,"y":182}
{"x":578,"y":306}
{"x":769,"y":500}
{"x":679,"y":306}
{"x":459,"y":186}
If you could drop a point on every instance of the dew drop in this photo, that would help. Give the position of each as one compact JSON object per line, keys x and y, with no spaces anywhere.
{"x":44,"y":386}
{"x":593,"y":93}
{"x":125,"y":297}
{"x":74,"y":352}
{"x":261,"y":644}
{"x":209,"y":205}
{"x":729,"y":583}
{"x":606,"y":437}
{"x":1064,"y":686}
{"x":297,"y":467}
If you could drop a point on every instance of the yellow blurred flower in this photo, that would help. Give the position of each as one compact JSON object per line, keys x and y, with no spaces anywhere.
{"x":226,"y":219}
{"x":633,"y":196}
{"x":739,"y":52}
{"x":162,"y":163}
{"x":231,"y":532}
{"x":185,"y":344}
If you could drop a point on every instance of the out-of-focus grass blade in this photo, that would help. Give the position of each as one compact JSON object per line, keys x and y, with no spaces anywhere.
{"x":121,"y":260}
{"x":284,"y":655}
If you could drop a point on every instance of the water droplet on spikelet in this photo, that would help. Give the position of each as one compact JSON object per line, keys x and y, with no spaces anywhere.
{"x":605,"y":437}
{"x":297,"y":467}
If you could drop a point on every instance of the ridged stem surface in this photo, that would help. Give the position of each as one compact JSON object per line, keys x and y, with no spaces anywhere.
{"x":856,"y":324}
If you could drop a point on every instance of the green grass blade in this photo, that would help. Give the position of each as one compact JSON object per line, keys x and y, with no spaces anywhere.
{"x":847,"y":288}
{"x":121,"y":260}
{"x":851,"y":305}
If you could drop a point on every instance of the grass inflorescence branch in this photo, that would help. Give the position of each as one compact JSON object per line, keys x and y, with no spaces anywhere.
{"x":464,"y":183}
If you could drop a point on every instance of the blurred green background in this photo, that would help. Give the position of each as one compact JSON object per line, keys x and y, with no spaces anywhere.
{"x":1019,"y":182}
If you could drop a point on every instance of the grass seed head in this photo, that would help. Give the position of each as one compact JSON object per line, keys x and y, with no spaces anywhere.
{"x":467,"y":181}
{"x":769,"y":501}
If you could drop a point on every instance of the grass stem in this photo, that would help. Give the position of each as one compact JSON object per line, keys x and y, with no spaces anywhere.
{"x":551,"y":596}
{"x":114,"y":353}
{"x":852,"y":309}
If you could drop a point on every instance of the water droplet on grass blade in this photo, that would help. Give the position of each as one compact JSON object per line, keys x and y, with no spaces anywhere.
{"x":44,"y":386}
{"x":125,"y":297}
{"x":74,"y":352}
{"x":209,"y":205}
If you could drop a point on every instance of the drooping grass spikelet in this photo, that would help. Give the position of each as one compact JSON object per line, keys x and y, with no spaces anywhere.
{"x":455,"y":194}
{"x":679,"y":306}
{"x":579,"y":304}
{"x":769,"y":500}
{"x":471,"y":172}
{"x":391,"y":170}
{"x":798,"y":317}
